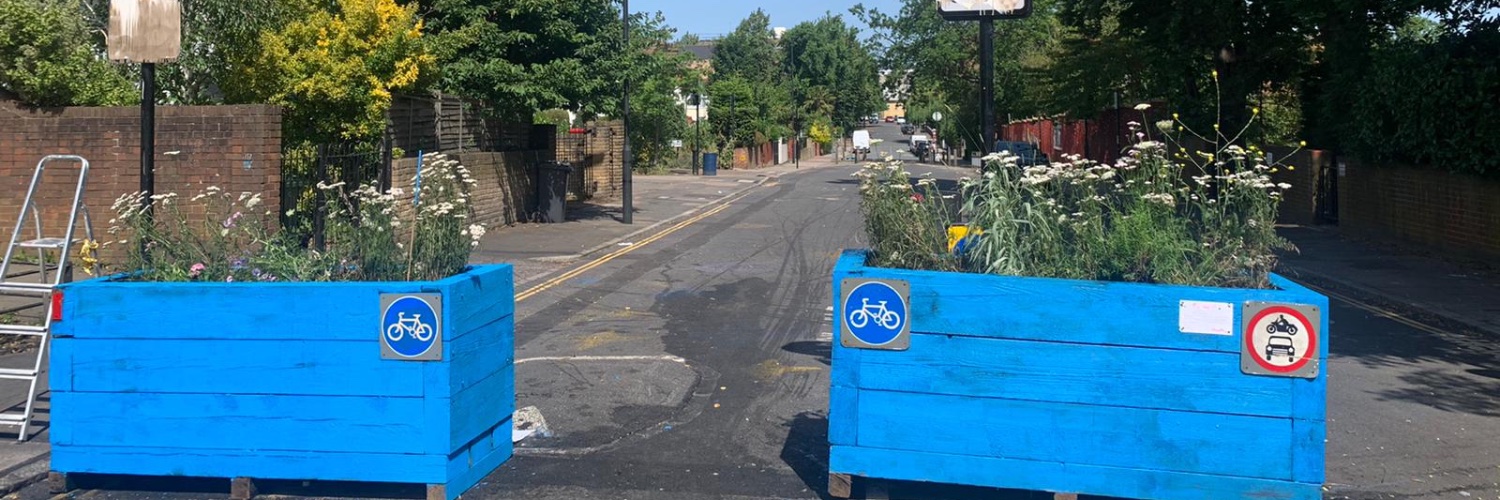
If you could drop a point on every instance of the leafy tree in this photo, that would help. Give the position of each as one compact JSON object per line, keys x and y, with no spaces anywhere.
{"x":749,"y":52}
{"x":47,"y":57}
{"x":334,"y":72}
{"x":835,"y":75}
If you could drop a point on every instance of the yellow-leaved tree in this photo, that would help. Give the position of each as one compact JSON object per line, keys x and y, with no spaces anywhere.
{"x":334,"y":71}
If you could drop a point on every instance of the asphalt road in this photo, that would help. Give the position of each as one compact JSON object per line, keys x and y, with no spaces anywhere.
{"x":697,"y":366}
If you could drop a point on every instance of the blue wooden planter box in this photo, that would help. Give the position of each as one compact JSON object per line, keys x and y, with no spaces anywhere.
{"x":1073,"y":387}
{"x":282,"y":381}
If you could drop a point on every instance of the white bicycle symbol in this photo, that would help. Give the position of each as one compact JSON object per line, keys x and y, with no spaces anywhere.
{"x":409,"y":326}
{"x":882,"y":316}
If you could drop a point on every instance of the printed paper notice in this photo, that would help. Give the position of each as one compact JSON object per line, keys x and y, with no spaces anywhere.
{"x":1208,"y":318}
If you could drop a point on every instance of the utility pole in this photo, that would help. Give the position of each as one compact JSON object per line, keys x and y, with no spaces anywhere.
{"x":987,"y":82}
{"x":697,"y":127}
{"x":629,"y":161}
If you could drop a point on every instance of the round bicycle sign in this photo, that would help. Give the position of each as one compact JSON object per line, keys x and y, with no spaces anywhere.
{"x":1280,"y":340}
{"x":411,"y":326}
{"x":875,"y":315}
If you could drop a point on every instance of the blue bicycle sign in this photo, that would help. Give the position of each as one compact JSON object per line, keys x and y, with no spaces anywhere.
{"x":409,"y":327}
{"x":875,"y":315}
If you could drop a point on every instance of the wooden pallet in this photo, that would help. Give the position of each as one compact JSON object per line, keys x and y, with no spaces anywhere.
{"x":240,"y":488}
{"x":842,"y":486}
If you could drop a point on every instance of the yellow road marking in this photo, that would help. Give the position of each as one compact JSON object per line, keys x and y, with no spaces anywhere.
{"x":531,"y":292}
{"x":1382,"y":312}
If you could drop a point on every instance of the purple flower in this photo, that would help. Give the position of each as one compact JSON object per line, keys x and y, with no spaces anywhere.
{"x":237,"y":264}
{"x":232,"y":221}
{"x":196,"y":270}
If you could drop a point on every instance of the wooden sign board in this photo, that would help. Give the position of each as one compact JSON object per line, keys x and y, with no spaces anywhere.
{"x":145,"y":31}
{"x":969,"y":10}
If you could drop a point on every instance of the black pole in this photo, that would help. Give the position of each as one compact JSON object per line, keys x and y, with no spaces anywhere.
{"x":987,"y":82}
{"x":697,"y":128}
{"x":320,"y":201}
{"x":731,"y":120}
{"x":148,"y":132}
{"x":625,"y":103}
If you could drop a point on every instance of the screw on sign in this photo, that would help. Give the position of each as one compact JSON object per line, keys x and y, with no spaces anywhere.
{"x":1281,"y":340}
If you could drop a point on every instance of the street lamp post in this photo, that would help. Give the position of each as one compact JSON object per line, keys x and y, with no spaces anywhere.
{"x":697,"y":128}
{"x":986,"y":12}
{"x":629,"y":161}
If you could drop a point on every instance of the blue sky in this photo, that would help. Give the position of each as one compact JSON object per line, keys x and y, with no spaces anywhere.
{"x":715,"y":17}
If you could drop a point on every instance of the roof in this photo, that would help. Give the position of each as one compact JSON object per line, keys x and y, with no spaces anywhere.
{"x":700,"y":51}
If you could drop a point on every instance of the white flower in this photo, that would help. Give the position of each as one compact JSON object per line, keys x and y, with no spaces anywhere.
{"x":1284,"y":186}
{"x":1142,"y":107}
{"x":254,"y":200}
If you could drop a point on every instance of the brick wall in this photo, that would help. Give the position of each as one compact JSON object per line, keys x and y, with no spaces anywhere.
{"x":237,"y":148}
{"x":1458,"y":215}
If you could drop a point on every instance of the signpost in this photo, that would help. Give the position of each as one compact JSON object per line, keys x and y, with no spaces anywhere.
{"x":147,"y":32}
{"x":1281,"y":340}
{"x":986,"y":12}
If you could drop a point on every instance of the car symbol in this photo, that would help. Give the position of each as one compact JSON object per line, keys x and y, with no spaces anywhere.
{"x":1280,"y":344}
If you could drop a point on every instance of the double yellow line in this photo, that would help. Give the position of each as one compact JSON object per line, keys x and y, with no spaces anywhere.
{"x":560,"y":279}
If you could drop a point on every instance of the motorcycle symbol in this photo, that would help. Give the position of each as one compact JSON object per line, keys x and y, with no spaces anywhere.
{"x":1281,"y":325}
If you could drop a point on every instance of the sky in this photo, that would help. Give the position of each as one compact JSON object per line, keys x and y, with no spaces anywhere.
{"x":717,"y":17}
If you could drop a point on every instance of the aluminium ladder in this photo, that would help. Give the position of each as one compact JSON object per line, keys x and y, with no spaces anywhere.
{"x":42,"y":288}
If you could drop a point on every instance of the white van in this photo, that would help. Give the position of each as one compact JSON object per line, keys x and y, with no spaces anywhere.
{"x":861,"y":140}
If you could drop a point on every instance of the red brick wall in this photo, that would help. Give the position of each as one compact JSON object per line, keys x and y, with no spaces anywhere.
{"x":237,"y":148}
{"x":1451,"y":213}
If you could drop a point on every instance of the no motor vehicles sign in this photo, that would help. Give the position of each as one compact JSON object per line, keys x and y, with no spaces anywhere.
{"x":1281,"y":340}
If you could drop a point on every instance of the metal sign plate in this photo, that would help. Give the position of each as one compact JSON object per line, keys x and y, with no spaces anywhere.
{"x":411,"y":326}
{"x":875,"y":314}
{"x":1280,"y":340}
{"x":144,"y":31}
{"x":970,"y":10}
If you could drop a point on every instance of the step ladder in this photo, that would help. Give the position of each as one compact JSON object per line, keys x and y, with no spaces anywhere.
{"x":38,"y":281}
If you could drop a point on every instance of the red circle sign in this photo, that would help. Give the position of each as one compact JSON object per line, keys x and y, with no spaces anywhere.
{"x":1280,"y":336}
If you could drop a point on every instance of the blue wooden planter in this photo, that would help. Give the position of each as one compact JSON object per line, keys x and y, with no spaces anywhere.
{"x":1073,"y":387}
{"x":282,"y":381}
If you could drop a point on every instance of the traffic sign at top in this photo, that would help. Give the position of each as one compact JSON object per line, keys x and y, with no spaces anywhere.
{"x":969,"y":10}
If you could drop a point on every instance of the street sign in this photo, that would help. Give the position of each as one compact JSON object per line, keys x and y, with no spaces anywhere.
{"x":876,"y":314}
{"x":937,"y":116}
{"x":970,"y":10}
{"x":1281,"y":340}
{"x":144,"y":31}
{"x":411,"y":326}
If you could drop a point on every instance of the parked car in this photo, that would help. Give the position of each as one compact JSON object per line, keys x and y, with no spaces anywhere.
{"x":890,"y":119}
{"x":901,"y":120}
{"x":908,"y":129}
{"x":1027,"y":153}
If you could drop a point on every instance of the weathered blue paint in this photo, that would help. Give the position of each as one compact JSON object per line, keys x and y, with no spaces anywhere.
{"x":281,"y":381}
{"x":1077,"y":387}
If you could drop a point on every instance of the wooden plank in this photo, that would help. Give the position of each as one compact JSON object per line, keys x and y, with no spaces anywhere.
{"x":1056,"y":476}
{"x":479,"y":460}
{"x":1309,"y":439}
{"x":303,"y":367}
{"x":479,"y":408}
{"x":481,"y":296}
{"x":261,"y":464}
{"x":60,"y":364}
{"x":843,"y":396}
{"x":840,"y":485}
{"x":1125,"y":314}
{"x":474,"y":357}
{"x":1194,"y":381}
{"x":1079,"y":434}
{"x":242,"y":488}
{"x":250,"y":422}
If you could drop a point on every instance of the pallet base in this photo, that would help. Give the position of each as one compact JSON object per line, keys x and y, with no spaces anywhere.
{"x":240,"y":488}
{"x":842,"y":486}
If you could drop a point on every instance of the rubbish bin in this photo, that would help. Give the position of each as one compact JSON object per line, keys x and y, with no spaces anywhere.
{"x":710,"y":164}
{"x":552,"y":191}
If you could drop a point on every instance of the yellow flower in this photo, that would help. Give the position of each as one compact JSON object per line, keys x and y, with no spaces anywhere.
{"x":1289,"y":167}
{"x":1303,"y":144}
{"x":1216,"y":75}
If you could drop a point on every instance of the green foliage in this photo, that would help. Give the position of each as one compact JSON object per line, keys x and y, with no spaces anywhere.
{"x":656,"y":120}
{"x":749,"y":52}
{"x":1204,"y":220}
{"x":334,"y":72}
{"x":48,"y":58}
{"x":836,"y":76}
{"x":557,"y":117}
{"x":372,"y":236}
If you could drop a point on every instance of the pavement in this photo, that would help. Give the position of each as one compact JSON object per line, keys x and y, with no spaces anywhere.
{"x":691,"y":360}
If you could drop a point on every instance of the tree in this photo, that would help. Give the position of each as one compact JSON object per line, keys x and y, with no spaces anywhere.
{"x":334,"y":72}
{"x":47,"y":57}
{"x":521,"y":56}
{"x":749,"y":52}
{"x":835,"y":75}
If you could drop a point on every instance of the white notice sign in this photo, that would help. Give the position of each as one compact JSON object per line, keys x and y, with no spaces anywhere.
{"x":1208,"y":318}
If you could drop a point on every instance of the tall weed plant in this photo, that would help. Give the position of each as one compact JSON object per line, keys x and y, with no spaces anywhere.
{"x":220,"y":236}
{"x":1158,"y":215}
